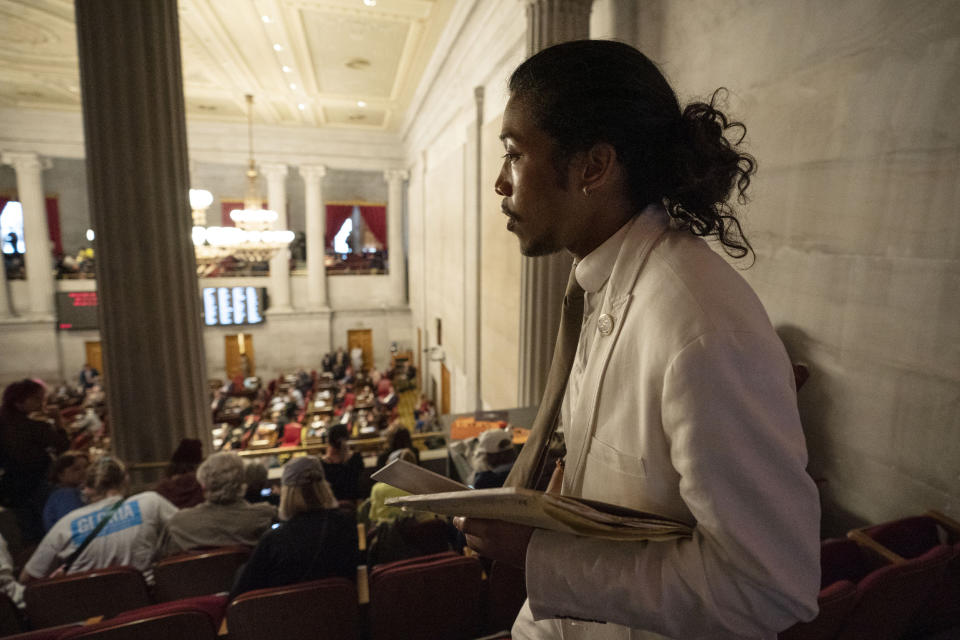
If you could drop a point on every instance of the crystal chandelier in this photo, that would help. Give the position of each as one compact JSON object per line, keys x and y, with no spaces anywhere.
{"x":253,"y":238}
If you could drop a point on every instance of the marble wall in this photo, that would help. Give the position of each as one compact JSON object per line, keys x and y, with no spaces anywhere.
{"x":441,"y":144}
{"x":851,"y":112}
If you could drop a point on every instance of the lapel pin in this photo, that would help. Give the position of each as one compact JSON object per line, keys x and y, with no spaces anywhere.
{"x":605,"y":324}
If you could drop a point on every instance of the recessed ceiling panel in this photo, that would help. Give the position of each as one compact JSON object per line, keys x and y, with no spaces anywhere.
{"x":326,"y":55}
{"x":353,"y":55}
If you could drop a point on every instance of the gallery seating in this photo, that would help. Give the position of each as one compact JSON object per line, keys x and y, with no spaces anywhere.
{"x":908,"y":538}
{"x":835,"y":603}
{"x":450,"y":583}
{"x":102,"y":592}
{"x":198,"y":573}
{"x":321,"y":610}
{"x":188,"y":619}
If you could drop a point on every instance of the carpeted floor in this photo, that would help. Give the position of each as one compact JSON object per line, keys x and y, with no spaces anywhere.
{"x":405,"y":407}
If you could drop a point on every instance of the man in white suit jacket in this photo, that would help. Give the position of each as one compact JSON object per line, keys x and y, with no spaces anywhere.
{"x":681,"y":398}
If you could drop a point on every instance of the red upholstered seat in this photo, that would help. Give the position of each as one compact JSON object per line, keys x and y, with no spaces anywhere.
{"x":449,"y":583}
{"x":198,"y":573}
{"x":291,"y":434}
{"x":47,"y":633}
{"x":102,"y":592}
{"x":506,"y":592}
{"x":835,"y":603}
{"x":910,"y":538}
{"x":188,"y":619}
{"x":322,"y":610}
{"x":888,"y":597}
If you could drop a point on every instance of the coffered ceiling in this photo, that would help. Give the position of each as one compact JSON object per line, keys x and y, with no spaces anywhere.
{"x":322,"y":63}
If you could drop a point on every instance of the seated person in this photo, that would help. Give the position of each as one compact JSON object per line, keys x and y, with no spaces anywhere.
{"x":384,"y":387}
{"x":314,"y":541}
{"x":180,"y":485}
{"x":224,"y":518}
{"x":398,"y":437}
{"x":425,"y":415}
{"x":255,"y":476}
{"x":129,"y":537}
{"x":379,"y":511}
{"x":68,"y":473}
{"x":495,"y":458}
{"x":342,"y":467}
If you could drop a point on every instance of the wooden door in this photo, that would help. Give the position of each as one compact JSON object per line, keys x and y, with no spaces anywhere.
{"x":444,"y":389}
{"x":362,"y":338}
{"x":239,"y":356}
{"x":94,"y":355}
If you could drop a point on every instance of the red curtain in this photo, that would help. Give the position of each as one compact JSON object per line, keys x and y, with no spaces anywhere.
{"x":376,"y":218}
{"x":53,"y":224}
{"x":336,"y":216}
{"x":226,"y":206}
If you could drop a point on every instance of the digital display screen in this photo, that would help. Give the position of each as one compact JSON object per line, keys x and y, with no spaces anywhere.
{"x":77,"y":310}
{"x":227,"y":306}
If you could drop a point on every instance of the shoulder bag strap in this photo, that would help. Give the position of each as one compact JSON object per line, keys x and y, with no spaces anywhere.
{"x":93,"y":534}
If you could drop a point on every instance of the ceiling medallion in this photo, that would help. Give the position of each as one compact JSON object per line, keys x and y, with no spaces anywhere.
{"x":357,"y":64}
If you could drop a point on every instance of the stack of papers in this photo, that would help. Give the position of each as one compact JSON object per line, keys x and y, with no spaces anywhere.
{"x":438,"y":494}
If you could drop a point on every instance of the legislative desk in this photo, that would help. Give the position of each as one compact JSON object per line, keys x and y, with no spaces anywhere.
{"x":445,"y":459}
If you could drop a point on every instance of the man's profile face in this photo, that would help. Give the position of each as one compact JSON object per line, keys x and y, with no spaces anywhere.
{"x":542,"y":213}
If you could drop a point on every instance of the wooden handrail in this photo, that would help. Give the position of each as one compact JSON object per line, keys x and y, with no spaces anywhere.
{"x":866,"y":541}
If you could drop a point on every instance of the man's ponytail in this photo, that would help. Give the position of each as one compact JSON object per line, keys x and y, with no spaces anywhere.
{"x":706,"y":166}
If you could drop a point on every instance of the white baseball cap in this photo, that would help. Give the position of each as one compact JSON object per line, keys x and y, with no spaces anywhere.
{"x":495,"y":441}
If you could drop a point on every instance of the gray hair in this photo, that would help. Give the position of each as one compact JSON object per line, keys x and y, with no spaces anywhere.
{"x":221,"y":476}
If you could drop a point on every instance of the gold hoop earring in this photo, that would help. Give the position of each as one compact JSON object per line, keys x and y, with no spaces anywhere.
{"x":586,"y":192}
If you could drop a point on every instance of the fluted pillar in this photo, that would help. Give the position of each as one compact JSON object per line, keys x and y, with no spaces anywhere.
{"x":396,"y":255}
{"x":280,"y":263}
{"x":544,"y":279}
{"x":38,"y":259}
{"x":5,"y":310}
{"x":316,"y":235}
{"x":135,"y":136}
{"x":551,"y":22}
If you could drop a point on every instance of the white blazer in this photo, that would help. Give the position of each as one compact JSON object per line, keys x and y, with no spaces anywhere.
{"x":687,"y":409}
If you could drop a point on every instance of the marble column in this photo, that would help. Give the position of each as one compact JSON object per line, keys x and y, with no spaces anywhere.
{"x":551,"y":22}
{"x":396,"y":257}
{"x":276,"y":175}
{"x":38,"y":258}
{"x":316,"y":235}
{"x":6,"y":311}
{"x":136,"y":150}
{"x":543,"y":280}
{"x":473,"y":259}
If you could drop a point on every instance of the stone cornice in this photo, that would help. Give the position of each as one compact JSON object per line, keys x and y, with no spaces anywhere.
{"x":59,"y":134}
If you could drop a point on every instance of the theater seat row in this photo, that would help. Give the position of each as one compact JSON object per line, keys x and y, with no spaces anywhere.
{"x":438,"y":596}
{"x":892,"y":581}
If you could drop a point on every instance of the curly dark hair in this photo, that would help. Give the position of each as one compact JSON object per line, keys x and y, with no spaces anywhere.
{"x":589,"y":91}
{"x":14,"y":394}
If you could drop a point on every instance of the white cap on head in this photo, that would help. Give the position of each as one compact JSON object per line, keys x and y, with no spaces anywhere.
{"x":495,"y":441}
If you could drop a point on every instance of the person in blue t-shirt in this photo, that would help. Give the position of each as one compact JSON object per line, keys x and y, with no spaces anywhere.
{"x":67,"y":474}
